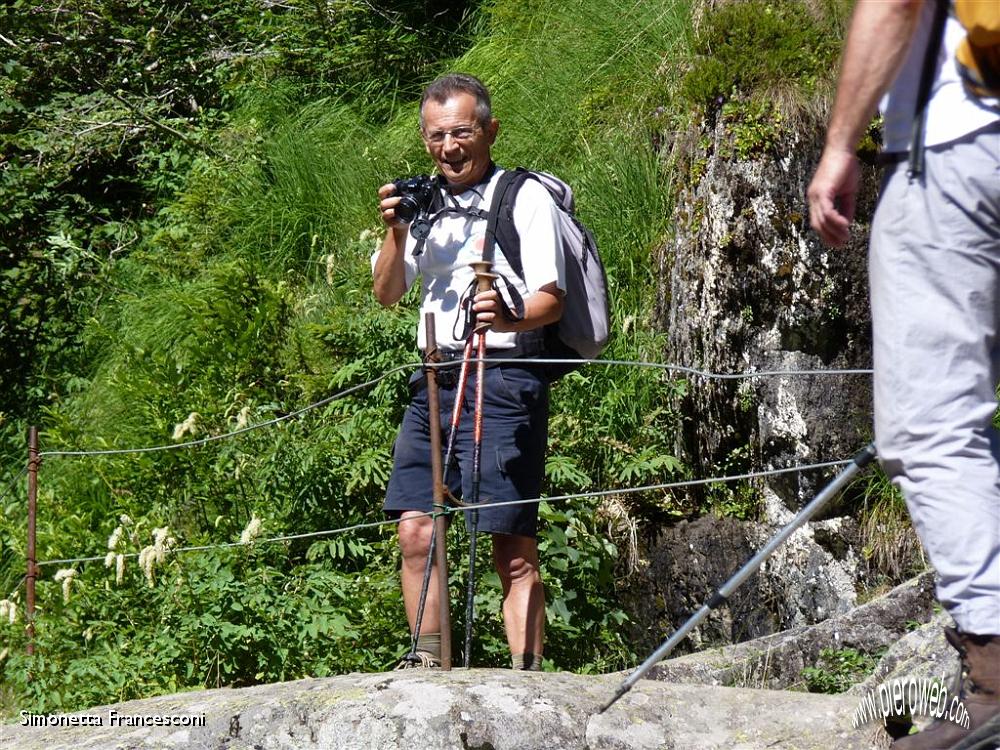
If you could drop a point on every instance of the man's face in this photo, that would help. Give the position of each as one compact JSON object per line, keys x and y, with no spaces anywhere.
{"x":457,"y":141}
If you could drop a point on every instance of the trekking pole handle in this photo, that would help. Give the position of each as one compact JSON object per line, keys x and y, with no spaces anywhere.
{"x":484,"y":282}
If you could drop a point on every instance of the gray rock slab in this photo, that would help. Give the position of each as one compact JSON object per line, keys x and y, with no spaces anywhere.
{"x":466,"y":709}
{"x":776,"y":661}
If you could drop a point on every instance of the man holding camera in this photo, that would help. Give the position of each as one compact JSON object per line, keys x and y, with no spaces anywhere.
{"x":459,"y":130}
{"x":934,"y":268}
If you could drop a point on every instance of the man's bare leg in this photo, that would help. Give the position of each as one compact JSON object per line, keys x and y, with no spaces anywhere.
{"x":414,"y":542}
{"x":516,"y":560}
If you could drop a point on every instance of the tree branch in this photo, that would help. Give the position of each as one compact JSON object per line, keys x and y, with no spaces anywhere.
{"x":151,"y":120}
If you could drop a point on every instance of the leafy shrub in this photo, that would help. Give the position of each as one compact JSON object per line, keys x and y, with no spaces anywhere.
{"x":754,"y":45}
{"x":839,"y":669}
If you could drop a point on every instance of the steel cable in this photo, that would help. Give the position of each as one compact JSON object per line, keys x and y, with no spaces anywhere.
{"x":414,"y":365}
{"x":234,"y":433}
{"x":554,"y":498}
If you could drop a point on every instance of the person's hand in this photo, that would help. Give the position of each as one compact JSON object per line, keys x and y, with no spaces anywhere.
{"x":388,"y":200}
{"x":489,"y":310}
{"x":832,"y":196}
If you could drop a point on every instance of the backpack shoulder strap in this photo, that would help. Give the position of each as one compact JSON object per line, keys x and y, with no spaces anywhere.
{"x":500,"y":225}
{"x":500,"y":216}
{"x":934,"y":42}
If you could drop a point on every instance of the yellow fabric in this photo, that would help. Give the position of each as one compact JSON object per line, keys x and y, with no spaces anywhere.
{"x":979,"y":53}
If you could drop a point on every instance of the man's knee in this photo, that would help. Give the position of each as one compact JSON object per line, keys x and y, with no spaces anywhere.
{"x":516,"y":558}
{"x":415,"y":531}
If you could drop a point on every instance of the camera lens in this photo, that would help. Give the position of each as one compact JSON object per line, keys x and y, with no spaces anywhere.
{"x":407,"y":209}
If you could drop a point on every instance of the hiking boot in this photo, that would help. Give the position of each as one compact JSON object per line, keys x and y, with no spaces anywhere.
{"x":979,"y":693}
{"x":987,"y":737}
{"x":418,"y":660}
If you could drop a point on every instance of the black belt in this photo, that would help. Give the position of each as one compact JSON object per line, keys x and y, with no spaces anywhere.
{"x":890,"y":158}
{"x":457,"y":355}
{"x":447,"y":375}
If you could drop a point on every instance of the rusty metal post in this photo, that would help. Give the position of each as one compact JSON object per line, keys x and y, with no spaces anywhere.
{"x":32,"y":508}
{"x":440,"y":523}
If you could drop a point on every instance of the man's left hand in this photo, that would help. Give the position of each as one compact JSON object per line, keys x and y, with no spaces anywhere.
{"x":489,"y":310}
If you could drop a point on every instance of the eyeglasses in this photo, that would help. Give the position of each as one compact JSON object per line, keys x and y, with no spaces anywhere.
{"x":462,"y":135}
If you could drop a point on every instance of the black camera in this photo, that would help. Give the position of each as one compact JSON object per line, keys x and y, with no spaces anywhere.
{"x":416,"y":196}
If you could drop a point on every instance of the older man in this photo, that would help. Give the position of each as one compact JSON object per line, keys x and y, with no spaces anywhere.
{"x":459,"y":130}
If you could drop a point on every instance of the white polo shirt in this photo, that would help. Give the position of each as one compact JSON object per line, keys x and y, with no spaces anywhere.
{"x":456,"y":240}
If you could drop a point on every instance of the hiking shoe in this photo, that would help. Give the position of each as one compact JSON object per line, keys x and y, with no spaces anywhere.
{"x":418,"y":660}
{"x":979,"y":693}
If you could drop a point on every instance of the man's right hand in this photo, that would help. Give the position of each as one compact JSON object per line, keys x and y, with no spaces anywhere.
{"x":388,"y":200}
{"x":388,"y":271}
{"x":832,"y":196}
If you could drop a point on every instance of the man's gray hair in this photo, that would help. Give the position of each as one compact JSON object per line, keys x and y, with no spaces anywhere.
{"x":443,"y":88}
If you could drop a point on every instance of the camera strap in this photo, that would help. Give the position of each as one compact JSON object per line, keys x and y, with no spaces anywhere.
{"x":421,"y":227}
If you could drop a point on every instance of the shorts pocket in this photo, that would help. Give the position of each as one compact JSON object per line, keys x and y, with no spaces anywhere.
{"x":521,"y":388}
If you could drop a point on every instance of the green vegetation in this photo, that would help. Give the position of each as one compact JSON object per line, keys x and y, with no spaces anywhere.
{"x":839,"y":669}
{"x":105,"y":109}
{"x":235,"y":288}
{"x":762,"y":47}
{"x":889,"y":543}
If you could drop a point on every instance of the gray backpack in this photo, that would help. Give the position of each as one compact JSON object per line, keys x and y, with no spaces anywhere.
{"x":582,"y":332}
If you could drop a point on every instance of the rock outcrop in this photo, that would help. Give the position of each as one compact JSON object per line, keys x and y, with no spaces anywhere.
{"x":776,"y":661}
{"x":747,"y":287}
{"x":713,"y":700}
{"x":811,"y":577}
{"x":466,"y":710}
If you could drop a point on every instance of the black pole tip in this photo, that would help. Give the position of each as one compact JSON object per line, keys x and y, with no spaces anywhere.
{"x":618,"y":694}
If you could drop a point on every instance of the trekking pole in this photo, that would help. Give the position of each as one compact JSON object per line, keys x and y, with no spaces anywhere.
{"x":435,"y":552}
{"x":484,"y":282}
{"x":456,"y":410}
{"x":860,"y":461}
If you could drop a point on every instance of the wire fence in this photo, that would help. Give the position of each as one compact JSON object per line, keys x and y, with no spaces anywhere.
{"x":679,"y":369}
{"x":745,"y":375}
{"x":481,"y":506}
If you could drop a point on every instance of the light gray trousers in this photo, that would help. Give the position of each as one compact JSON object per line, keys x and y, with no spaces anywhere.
{"x":934,"y":270}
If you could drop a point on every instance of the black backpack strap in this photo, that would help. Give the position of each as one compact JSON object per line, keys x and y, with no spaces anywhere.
{"x":500,"y":225}
{"x":510,"y":299}
{"x":934,"y":42}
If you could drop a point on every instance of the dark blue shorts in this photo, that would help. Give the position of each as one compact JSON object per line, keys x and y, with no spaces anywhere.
{"x":512,"y":465}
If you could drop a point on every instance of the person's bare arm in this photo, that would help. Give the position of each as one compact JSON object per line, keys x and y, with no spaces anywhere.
{"x":877,"y":44}
{"x":541,"y":308}
{"x":389,"y":272}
